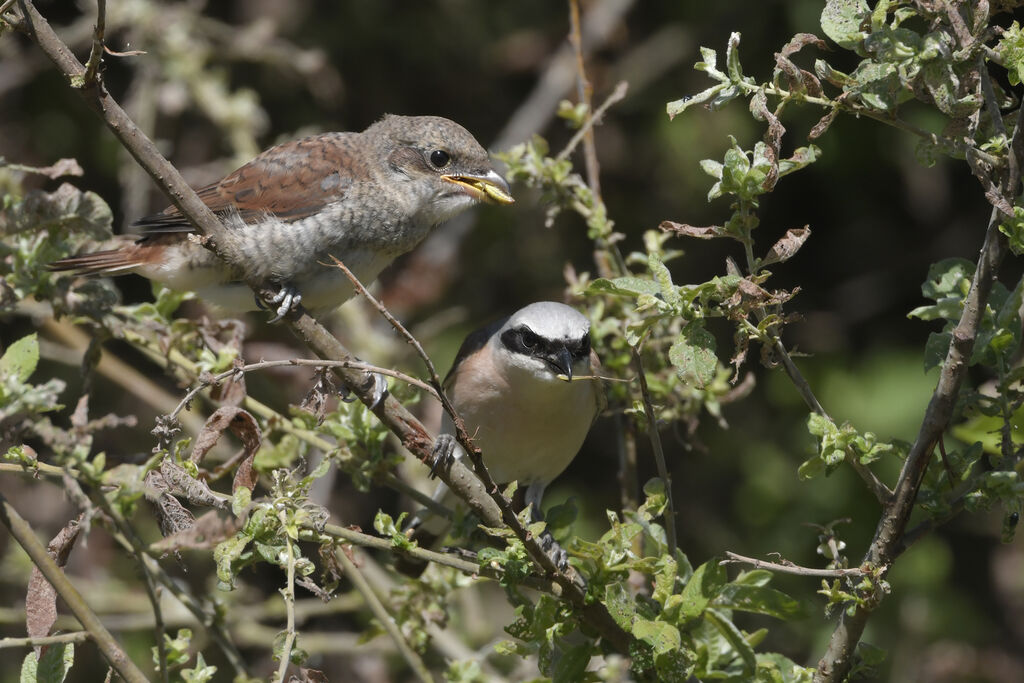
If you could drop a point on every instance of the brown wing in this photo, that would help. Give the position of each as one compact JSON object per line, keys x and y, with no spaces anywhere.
{"x":473,"y":342}
{"x":289,"y":181}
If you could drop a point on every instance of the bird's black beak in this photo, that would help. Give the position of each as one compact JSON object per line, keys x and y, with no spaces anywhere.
{"x":487,"y":187}
{"x":561,"y":360}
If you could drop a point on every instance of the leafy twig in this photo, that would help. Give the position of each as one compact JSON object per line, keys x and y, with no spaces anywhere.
{"x":288,"y":593}
{"x":659,"y":454}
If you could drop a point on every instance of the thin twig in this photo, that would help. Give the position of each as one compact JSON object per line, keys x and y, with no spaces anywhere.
{"x":295,"y":362}
{"x":288,"y":593}
{"x":92,"y":66}
{"x":73,"y":637}
{"x":659,"y":453}
{"x":383,"y":617}
{"x":105,"y":641}
{"x":790,"y":568}
{"x":617,"y":94}
{"x":584,"y":90}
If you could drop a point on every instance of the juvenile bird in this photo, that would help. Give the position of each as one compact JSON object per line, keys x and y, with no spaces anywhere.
{"x":365,"y":198}
{"x":512,"y":384}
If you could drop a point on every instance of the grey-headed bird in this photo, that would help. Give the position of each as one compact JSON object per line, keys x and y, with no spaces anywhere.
{"x":364,"y":198}
{"x":511,"y":383}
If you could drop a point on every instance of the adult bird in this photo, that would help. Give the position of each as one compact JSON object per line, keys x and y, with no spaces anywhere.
{"x":513,"y":384}
{"x":363,"y":198}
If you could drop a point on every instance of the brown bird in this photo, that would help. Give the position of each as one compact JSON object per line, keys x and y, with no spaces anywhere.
{"x":365,"y":198}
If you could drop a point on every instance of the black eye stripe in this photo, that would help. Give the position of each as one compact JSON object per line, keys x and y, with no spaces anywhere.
{"x":527,"y":342}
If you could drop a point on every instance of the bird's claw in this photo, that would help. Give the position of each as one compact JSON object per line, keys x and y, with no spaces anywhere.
{"x":553,"y":550}
{"x":444,"y":453}
{"x":380,"y":391}
{"x":288,"y":299}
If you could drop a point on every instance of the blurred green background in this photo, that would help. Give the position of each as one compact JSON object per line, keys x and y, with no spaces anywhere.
{"x":220,"y":81}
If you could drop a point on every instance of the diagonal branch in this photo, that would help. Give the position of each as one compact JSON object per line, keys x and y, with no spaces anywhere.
{"x":477,"y":489}
{"x":887,"y":542}
{"x":108,"y":645}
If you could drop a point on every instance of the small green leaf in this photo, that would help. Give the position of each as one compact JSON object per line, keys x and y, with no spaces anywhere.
{"x":703,"y":587}
{"x":841,"y":21}
{"x":52,"y":667}
{"x":660,"y":635}
{"x":693,"y":355}
{"x":760,"y":600}
{"x":20,"y":359}
{"x":735,"y":638}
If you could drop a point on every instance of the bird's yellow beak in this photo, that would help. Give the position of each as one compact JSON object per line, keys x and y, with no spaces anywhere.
{"x":490,"y":187}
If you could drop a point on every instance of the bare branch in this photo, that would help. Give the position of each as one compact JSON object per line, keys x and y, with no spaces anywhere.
{"x":787,"y":567}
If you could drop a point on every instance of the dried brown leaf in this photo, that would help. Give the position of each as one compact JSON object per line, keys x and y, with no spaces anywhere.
{"x":785,"y":248}
{"x":686,"y":230}
{"x":41,"y":598}
{"x":243,"y":425}
{"x":205,"y":533}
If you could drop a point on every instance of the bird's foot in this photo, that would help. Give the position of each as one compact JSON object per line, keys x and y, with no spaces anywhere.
{"x":380,"y":391}
{"x":553,"y":550}
{"x":288,"y":299}
{"x":444,"y":453}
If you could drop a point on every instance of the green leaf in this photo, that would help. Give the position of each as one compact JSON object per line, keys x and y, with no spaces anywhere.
{"x":693,"y":355}
{"x":572,"y":664}
{"x":677,"y":107}
{"x":841,"y":21}
{"x":242,"y":497}
{"x":760,"y":600}
{"x":660,"y":635}
{"x":703,"y":587}
{"x":20,"y":359}
{"x":52,"y":667}
{"x":620,"y":605}
{"x":735,"y":638}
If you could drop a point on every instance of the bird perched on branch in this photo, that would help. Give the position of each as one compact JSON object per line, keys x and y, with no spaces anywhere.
{"x":365,"y":198}
{"x":525,"y":389}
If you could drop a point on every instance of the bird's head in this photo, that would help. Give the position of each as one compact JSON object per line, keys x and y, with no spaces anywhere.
{"x":439,"y":162}
{"x":547,"y":340}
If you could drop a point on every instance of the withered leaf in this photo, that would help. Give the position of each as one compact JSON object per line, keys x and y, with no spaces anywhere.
{"x":704,"y":233}
{"x":243,"y":425}
{"x":41,"y":598}
{"x":206,"y":532}
{"x":785,"y":248}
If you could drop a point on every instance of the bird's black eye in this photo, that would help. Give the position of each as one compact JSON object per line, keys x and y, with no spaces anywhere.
{"x":530,"y":339}
{"x":440,"y":158}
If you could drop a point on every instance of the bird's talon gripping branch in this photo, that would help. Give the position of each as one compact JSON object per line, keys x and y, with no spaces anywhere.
{"x":288,"y":299}
{"x":444,"y":453}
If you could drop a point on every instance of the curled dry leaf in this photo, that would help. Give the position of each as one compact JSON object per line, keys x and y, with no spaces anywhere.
{"x":41,"y":598}
{"x":785,"y":248}
{"x":205,"y":533}
{"x":243,"y":425}
{"x":173,"y":516}
{"x":705,"y":233}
